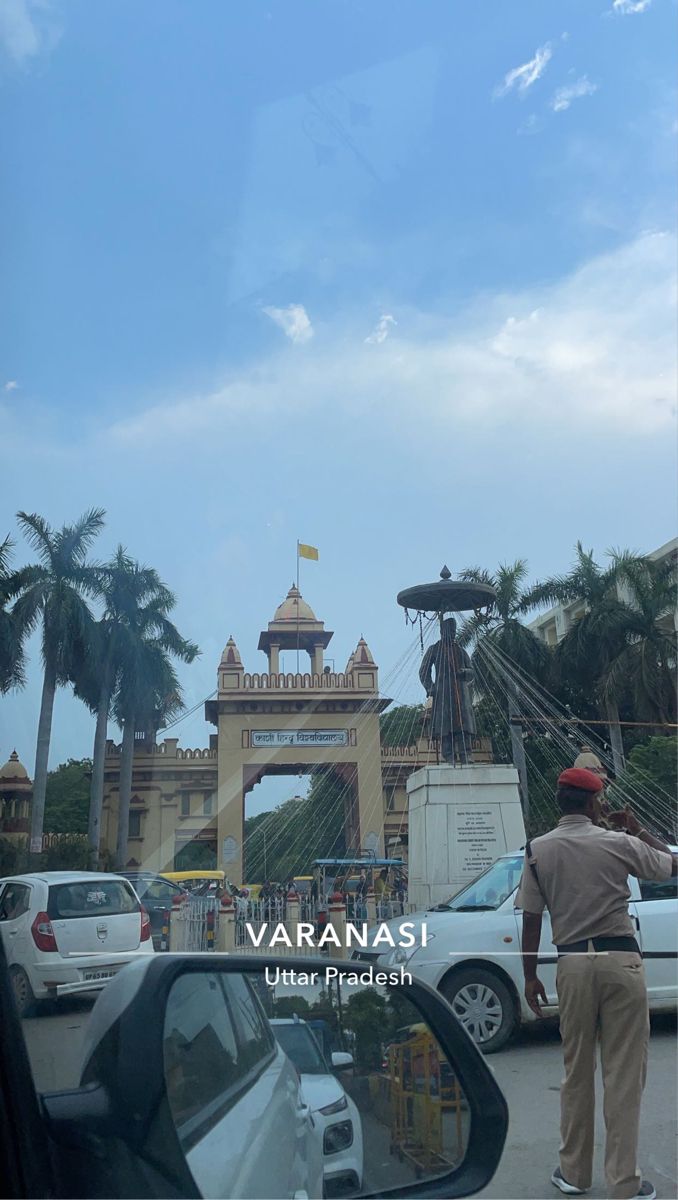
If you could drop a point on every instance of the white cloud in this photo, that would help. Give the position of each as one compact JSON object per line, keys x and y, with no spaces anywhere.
{"x":572,"y":91}
{"x":591,"y":353}
{"x":523,"y":77}
{"x":10,"y":386}
{"x":628,"y":7}
{"x":531,"y":125}
{"x":381,"y":331}
{"x":293,"y":320}
{"x":26,"y":28}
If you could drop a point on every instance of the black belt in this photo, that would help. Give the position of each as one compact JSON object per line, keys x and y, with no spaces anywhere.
{"x":628,"y":945}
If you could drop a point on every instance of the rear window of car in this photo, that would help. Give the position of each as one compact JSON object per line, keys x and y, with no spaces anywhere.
{"x":100,"y":898}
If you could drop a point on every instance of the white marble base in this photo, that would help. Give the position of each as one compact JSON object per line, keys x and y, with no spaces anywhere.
{"x":460,"y":820}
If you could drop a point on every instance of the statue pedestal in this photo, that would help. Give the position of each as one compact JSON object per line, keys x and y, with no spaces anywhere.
{"x":460,"y":820}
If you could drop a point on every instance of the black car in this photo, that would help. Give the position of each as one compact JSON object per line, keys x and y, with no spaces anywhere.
{"x":157,"y":895}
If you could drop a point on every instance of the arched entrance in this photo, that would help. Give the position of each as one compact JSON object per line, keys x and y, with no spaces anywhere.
{"x":287,"y":723}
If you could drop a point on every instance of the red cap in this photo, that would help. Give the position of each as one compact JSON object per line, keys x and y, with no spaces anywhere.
{"x":577,"y":777}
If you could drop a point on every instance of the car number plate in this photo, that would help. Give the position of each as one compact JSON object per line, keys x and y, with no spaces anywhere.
{"x":95,"y":976}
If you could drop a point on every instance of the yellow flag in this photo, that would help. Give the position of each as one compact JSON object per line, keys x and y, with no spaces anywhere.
{"x":307,"y":551}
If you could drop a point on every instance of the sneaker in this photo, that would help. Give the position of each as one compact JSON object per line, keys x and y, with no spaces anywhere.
{"x":568,"y":1188}
{"x":647,"y":1191}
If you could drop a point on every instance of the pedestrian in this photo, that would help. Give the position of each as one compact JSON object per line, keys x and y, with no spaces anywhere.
{"x":361,"y":896}
{"x":381,"y":890}
{"x":579,"y":872}
{"x":266,"y":897}
{"x":401,"y":893}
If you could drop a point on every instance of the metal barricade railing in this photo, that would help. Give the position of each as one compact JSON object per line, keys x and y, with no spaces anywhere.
{"x":195,"y":922}
{"x":194,"y":925}
{"x":258,"y":921}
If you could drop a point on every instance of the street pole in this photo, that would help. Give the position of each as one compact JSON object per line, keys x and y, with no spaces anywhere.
{"x":518,"y":751}
{"x":297,"y":606}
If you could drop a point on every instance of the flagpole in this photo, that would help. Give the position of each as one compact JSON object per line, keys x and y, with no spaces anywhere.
{"x":297,"y":606}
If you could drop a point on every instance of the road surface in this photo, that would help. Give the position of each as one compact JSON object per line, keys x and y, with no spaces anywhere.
{"x":529,"y":1072}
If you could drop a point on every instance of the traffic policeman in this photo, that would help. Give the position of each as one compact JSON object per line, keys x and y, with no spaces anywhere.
{"x":579,"y":872}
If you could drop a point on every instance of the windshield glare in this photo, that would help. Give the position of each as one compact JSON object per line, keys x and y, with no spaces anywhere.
{"x":492,"y":888}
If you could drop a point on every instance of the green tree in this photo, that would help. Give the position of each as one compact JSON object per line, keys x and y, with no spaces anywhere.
{"x":599,"y":634}
{"x":148,"y":695}
{"x":67,"y":797}
{"x":12,"y":633}
{"x":503,"y":625}
{"x":125,"y":588}
{"x":14,"y":859}
{"x":653,"y":768}
{"x":286,"y":1006}
{"x":366,"y":1014}
{"x":641,"y":635}
{"x":54,"y":595}
{"x":400,"y":1012}
{"x":502,"y":629}
{"x":402,"y":725}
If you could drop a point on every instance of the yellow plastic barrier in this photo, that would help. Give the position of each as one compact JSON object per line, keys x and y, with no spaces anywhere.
{"x":423,"y":1089}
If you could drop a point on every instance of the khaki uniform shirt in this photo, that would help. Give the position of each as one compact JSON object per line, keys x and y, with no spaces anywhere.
{"x":583,"y":874}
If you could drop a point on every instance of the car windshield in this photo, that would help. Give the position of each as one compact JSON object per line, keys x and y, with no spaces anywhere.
{"x":301,"y":1047}
{"x":490,"y":889}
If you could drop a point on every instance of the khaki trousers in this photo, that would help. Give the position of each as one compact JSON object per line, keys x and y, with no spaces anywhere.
{"x":602,"y":997}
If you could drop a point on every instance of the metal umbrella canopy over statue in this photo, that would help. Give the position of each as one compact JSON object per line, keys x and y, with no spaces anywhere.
{"x":446,"y":672}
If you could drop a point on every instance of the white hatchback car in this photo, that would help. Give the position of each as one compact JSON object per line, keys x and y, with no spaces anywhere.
{"x":335,"y":1114}
{"x":473,"y":954}
{"x":68,"y":931}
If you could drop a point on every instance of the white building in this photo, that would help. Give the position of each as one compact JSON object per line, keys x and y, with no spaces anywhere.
{"x":553,"y":624}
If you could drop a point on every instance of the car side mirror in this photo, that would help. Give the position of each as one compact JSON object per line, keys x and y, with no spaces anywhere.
{"x":341,"y":1061}
{"x":204,"y":1077}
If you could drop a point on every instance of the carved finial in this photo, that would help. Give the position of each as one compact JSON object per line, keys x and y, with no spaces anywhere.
{"x":445,"y":573}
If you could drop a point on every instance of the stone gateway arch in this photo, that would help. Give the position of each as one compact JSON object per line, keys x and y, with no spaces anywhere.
{"x":282,"y":723}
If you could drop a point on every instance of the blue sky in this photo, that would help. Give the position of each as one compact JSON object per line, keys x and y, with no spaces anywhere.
{"x":395,"y":279}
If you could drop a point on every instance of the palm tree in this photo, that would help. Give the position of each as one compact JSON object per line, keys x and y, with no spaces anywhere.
{"x":147,"y":690}
{"x":54,"y":593}
{"x":503,"y":629}
{"x":644,"y":666}
{"x":125,"y":587}
{"x":11,"y":634}
{"x":597,"y":635}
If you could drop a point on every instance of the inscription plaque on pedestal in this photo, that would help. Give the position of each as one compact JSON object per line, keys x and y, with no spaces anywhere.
{"x":461,"y":819}
{"x":478,"y":839}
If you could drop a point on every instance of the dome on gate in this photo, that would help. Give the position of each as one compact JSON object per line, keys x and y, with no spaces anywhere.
{"x":294,"y":626}
{"x":13,"y":768}
{"x":294,"y":608}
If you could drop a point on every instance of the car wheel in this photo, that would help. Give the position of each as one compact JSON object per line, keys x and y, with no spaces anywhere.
{"x":483,"y":1004}
{"x":26,"y":1003}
